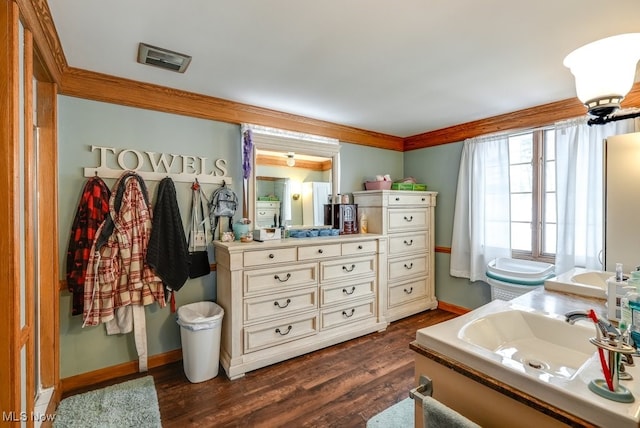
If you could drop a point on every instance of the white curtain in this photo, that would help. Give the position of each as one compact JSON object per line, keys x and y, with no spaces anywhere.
{"x":481,"y":224}
{"x":579,"y":186}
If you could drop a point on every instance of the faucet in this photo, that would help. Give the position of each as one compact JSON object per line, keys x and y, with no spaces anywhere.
{"x":605,"y":327}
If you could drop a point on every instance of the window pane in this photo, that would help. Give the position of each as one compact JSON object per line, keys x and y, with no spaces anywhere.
{"x":521,"y":178}
{"x":550,"y":176}
{"x":549,"y":246}
{"x":521,"y":207}
{"x":549,"y":144}
{"x":550,"y":208}
{"x":521,"y":236}
{"x":520,"y":148}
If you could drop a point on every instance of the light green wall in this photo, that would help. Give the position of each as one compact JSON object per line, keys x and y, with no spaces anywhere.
{"x":361,"y":163}
{"x":82,"y":123}
{"x":438,"y":168}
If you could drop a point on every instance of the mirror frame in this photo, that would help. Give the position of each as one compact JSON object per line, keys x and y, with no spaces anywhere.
{"x":287,"y":144}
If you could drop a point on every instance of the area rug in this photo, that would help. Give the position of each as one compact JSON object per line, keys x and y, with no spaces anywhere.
{"x":129,"y":404}
{"x":400,"y":415}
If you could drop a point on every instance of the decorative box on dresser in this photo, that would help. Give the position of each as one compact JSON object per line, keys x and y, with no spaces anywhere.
{"x":288,"y":297}
{"x":407,"y":219}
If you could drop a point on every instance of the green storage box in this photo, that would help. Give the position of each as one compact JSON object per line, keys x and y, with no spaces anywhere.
{"x":402,"y":186}
{"x":420,"y":187}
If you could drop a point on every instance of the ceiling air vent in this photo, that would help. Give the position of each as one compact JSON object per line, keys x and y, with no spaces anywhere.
{"x":163,"y":58}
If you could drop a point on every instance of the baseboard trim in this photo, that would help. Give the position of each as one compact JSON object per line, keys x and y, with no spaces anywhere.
{"x":124,"y":369}
{"x":458,"y":310}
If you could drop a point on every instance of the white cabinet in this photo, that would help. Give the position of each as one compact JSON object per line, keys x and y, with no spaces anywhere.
{"x":267,"y":213}
{"x":407,"y":219}
{"x":289,"y":297}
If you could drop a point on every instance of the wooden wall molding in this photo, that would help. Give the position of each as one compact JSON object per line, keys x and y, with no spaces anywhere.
{"x":107,"y":373}
{"x":458,"y":310}
{"x":101,"y":87}
{"x":37,"y":17}
{"x":532,"y":117}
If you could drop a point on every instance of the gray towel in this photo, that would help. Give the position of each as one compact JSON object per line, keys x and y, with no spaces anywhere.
{"x":437,"y":415}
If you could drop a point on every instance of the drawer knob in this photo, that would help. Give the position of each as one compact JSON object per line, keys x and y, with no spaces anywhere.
{"x":397,"y":199}
{"x":424,"y":199}
{"x":346,"y":269}
{"x":276,"y":303}
{"x":348,"y":293}
{"x":262,"y":213}
{"x":409,"y":266}
{"x":409,"y":243}
{"x":409,"y":291}
{"x":345,"y":314}
{"x":359,"y":247}
{"x":271,"y":256}
{"x":409,"y":219}
{"x":320,"y":251}
{"x":282,"y":280}
{"x":285,"y":333}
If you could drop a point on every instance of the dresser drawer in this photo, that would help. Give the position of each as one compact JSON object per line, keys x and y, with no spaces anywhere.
{"x":280,"y":304}
{"x":280,"y":278}
{"x":320,"y":251}
{"x":408,"y":242}
{"x":405,"y":292}
{"x":269,"y":257}
{"x":409,"y":198}
{"x":345,"y":269}
{"x":408,"y":266}
{"x":356,"y":248}
{"x":274,"y":333}
{"x":406,"y":219}
{"x":346,"y":314}
{"x":337,"y":293}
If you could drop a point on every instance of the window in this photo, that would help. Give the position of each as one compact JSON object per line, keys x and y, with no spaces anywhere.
{"x":533,"y":195}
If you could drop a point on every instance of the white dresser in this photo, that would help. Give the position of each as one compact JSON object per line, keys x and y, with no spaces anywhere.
{"x":407,"y":219}
{"x":289,"y":297}
{"x":267,"y":213}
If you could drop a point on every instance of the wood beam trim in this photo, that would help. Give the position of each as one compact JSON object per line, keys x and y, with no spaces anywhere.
{"x":124,"y":369}
{"x":527,"y":118}
{"x":37,"y":17}
{"x":101,"y":87}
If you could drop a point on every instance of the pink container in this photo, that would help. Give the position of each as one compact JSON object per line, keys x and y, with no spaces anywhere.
{"x":377,"y":185}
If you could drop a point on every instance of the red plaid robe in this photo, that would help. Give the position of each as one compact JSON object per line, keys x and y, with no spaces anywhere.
{"x":91,"y":212}
{"x":117,"y":274}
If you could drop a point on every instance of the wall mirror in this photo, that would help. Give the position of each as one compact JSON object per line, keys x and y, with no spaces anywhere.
{"x":291,"y":177}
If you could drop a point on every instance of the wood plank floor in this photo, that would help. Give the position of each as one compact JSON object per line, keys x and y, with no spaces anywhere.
{"x":340,"y":386}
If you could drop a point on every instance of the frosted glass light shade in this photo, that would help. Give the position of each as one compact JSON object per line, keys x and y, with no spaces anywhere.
{"x":605,"y":71}
{"x":291,"y":161}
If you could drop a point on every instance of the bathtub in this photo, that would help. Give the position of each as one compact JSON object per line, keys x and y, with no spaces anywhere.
{"x":533,"y":351}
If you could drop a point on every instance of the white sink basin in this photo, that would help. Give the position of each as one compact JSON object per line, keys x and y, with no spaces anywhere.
{"x":583,"y":282}
{"x":531,"y":342}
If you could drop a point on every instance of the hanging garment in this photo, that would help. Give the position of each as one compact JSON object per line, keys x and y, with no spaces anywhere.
{"x":91,"y":212}
{"x":118,"y":278}
{"x":167,"y":252}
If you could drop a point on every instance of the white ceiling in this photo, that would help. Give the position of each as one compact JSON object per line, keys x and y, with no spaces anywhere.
{"x":400,"y":67}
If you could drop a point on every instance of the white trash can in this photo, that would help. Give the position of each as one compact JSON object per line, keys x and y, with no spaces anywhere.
{"x":200,"y":326}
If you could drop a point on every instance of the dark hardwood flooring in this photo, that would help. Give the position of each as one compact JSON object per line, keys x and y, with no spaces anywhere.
{"x":340,"y":386}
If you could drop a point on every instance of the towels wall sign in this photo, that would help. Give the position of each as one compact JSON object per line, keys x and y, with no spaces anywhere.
{"x":156,"y":166}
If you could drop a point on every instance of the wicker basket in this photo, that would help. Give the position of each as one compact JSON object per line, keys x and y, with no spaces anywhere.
{"x":506,"y":291}
{"x":377,"y":185}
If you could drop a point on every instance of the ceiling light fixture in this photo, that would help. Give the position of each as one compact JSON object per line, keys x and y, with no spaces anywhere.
{"x":291,"y":161}
{"x":605,"y":71}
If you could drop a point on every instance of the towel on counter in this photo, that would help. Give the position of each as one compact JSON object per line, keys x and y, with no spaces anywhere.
{"x":437,"y":415}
